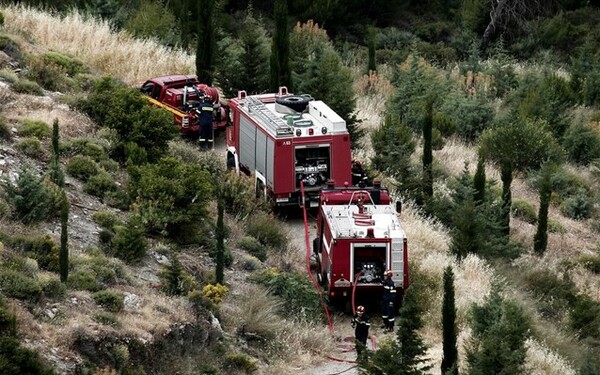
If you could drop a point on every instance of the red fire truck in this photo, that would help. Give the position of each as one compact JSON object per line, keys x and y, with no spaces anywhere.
{"x":284,"y":139}
{"x":182,"y":95}
{"x":359,"y":237}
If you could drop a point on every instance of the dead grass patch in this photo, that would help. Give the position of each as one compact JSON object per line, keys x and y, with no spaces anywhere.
{"x":541,"y":360}
{"x":122,"y":56}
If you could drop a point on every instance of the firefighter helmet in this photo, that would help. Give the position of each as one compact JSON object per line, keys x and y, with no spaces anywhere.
{"x":360,"y":309}
{"x":389,"y":273}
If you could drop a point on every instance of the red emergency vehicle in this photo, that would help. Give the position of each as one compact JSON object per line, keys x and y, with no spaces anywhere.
{"x":284,"y":139}
{"x":359,"y":237}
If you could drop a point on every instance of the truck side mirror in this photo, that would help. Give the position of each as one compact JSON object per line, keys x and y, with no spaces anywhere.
{"x":399,"y":207}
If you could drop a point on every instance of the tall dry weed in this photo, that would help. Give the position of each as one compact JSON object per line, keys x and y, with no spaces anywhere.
{"x":94,"y":42}
{"x":541,"y":360}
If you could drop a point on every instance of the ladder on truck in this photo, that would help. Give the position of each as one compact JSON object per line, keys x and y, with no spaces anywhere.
{"x":271,"y":121}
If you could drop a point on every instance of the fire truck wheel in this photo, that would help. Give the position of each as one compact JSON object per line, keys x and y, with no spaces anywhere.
{"x":230,"y":161}
{"x":296,"y":102}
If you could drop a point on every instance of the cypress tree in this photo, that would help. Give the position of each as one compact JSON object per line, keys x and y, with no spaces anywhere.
{"x":405,"y":355}
{"x":372,"y":65}
{"x":206,"y":42}
{"x":450,"y":350}
{"x":281,"y":74}
{"x":479,"y":180}
{"x":63,"y":258}
{"x":56,"y":174}
{"x":220,"y":255}
{"x":428,"y":151}
{"x":540,"y":239}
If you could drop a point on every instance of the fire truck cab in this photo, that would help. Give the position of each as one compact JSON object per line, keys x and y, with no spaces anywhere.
{"x":359,"y":237}
{"x":284,"y":139}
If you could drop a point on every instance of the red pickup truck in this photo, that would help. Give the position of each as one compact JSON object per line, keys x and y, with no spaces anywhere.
{"x":181,"y":95}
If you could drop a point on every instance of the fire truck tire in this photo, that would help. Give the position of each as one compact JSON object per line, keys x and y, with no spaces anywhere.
{"x":296,"y":102}
{"x":230,"y":161}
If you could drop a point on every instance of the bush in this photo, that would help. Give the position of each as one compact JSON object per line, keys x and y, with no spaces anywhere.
{"x":15,"y":360}
{"x":590,"y":262}
{"x":31,"y":147}
{"x":1,"y":19}
{"x":555,"y":294}
{"x":129,"y":242}
{"x":253,"y":247}
{"x":17,"y":285}
{"x":10,"y":47}
{"x":524,"y":210}
{"x":554,"y":226}
{"x":582,"y":144}
{"x":84,"y":280}
{"x":585,"y":317}
{"x":25,"y":86}
{"x":41,"y":248}
{"x":240,"y":362}
{"x":106,"y":318}
{"x":267,"y":230}
{"x":239,"y":195}
{"x":110,"y":300}
{"x":8,"y":76}
{"x":82,"y":167}
{"x":106,"y":219}
{"x":100,"y":184}
{"x":30,"y":198}
{"x":250,"y":263}
{"x":215,"y":293}
{"x":35,"y":128}
{"x":84,"y":147}
{"x":5,"y":132}
{"x":567,"y":184}
{"x":53,"y":288}
{"x":578,"y":207}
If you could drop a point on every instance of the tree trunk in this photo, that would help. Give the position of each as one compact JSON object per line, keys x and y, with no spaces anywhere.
{"x":506,"y":177}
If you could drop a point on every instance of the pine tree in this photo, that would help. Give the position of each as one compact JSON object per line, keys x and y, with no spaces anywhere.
{"x":405,"y":355}
{"x":206,"y":42}
{"x":30,"y":198}
{"x":174,"y":277}
{"x":56,"y":173}
{"x":220,"y":253}
{"x":540,"y":239}
{"x":281,"y":74}
{"x":63,"y":258}
{"x":450,"y":350}
{"x":129,"y":242}
{"x":479,"y":180}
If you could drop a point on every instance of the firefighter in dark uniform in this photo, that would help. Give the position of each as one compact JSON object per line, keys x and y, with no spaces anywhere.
{"x":389,"y":299}
{"x":358,"y":174}
{"x":361,"y":325}
{"x":205,"y":114}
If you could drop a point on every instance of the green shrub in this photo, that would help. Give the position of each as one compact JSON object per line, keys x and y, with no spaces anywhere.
{"x":30,"y":198}
{"x":129,"y":242}
{"x":117,"y":199}
{"x":109,"y":165}
{"x":105,"y":271}
{"x":17,"y":285}
{"x":100,"y":184}
{"x":170,"y":195}
{"x":267,"y":230}
{"x":15,"y":359}
{"x":112,"y":301}
{"x":555,"y":226}
{"x":250,"y":263}
{"x":298,"y":294}
{"x":239,"y":195}
{"x":4,"y":209}
{"x":106,"y":219}
{"x":31,"y":147}
{"x":35,"y":128}
{"x":84,"y":280}
{"x":1,"y":19}
{"x":53,"y":288}
{"x":10,"y":47}
{"x":555,"y":294}
{"x":8,"y":76}
{"x":253,"y":247}
{"x":106,"y":318}
{"x":5,"y":132}
{"x":84,"y":147}
{"x":590,"y":262}
{"x":585,"y":317}
{"x":579,"y":206}
{"x":41,"y":248}
{"x":582,"y":144}
{"x":567,"y":184}
{"x":82,"y":167}
{"x":524,"y":210}
{"x":25,"y":86}
{"x":71,"y":65}
{"x":240,"y":362}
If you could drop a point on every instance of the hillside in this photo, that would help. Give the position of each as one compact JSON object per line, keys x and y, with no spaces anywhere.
{"x":167,"y":333}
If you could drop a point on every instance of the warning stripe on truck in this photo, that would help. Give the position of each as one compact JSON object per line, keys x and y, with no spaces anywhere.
{"x":168,"y":108}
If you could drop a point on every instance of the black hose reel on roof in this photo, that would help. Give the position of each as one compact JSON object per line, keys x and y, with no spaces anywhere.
{"x":296,"y":102}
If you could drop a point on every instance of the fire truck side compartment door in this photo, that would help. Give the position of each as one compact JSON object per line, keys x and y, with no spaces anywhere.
{"x":247,"y":143}
{"x":398,"y":261}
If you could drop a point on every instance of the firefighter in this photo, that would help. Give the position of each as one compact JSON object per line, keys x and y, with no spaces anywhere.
{"x":358,"y":174}
{"x":205,"y":114}
{"x":389,"y":299}
{"x":361,"y":325}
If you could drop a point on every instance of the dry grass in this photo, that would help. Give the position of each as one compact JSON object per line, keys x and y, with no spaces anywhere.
{"x":94,"y":42}
{"x":542,"y":361}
